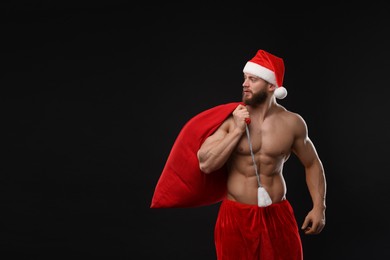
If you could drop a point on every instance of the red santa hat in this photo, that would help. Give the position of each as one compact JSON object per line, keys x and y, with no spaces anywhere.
{"x":270,"y":68}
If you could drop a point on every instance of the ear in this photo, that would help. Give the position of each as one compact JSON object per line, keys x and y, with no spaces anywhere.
{"x":271,"y":87}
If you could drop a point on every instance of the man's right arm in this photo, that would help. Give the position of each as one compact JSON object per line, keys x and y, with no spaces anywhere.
{"x":217,"y":148}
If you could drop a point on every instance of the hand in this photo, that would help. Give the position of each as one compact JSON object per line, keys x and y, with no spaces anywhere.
{"x":314,"y":222}
{"x":241,"y":117}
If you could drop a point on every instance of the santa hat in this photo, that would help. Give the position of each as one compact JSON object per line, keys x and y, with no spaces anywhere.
{"x":270,"y":68}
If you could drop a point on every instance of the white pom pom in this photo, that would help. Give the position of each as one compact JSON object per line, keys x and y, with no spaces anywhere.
{"x":263,"y":198}
{"x":280,"y":92}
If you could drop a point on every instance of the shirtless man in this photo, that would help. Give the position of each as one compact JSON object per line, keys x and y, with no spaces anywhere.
{"x":243,"y":229}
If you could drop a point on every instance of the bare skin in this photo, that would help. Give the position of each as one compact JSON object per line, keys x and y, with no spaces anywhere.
{"x":275,"y":134}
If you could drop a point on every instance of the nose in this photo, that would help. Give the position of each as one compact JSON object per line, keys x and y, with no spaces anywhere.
{"x":245,"y":83}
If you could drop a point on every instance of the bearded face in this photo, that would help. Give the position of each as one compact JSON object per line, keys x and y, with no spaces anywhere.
{"x":257,"y":98}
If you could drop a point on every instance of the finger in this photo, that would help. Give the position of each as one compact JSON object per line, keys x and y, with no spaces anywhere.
{"x":314,"y":228}
{"x":307,"y":230}
{"x":240,"y":107}
{"x":305,"y":224}
{"x":244,"y":111}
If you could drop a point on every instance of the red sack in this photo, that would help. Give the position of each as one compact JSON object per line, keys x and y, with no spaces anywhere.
{"x":181,"y":183}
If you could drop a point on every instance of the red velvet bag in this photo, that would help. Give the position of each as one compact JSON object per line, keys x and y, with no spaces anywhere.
{"x":181,"y":183}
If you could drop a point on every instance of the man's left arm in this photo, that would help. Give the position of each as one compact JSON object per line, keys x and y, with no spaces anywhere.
{"x":305,"y":150}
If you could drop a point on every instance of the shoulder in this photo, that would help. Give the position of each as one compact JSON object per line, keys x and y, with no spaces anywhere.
{"x":294,"y":120}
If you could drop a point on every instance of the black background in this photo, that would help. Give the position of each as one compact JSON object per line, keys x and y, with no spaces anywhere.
{"x":94,"y":95}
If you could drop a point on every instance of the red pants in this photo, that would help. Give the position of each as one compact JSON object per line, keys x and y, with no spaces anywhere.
{"x":249,"y":232}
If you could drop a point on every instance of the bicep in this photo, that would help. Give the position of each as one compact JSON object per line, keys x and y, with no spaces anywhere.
{"x":218,"y":135}
{"x":303,"y":147}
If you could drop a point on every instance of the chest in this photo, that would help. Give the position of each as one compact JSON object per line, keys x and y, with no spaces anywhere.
{"x":268,"y":138}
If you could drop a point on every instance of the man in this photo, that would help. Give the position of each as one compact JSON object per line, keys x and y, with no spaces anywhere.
{"x":254,"y":154}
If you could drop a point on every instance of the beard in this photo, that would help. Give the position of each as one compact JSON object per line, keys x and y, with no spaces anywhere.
{"x":257,"y":98}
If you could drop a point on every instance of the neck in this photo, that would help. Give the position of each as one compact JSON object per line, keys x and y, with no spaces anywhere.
{"x":262,"y":110}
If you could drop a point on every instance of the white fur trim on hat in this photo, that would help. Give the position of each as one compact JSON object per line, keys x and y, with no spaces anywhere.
{"x":260,"y":71}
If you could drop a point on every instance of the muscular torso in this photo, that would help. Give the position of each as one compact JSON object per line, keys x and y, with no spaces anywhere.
{"x":271,"y":143}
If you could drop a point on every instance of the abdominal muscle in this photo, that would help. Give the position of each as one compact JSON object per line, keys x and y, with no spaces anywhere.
{"x":242,"y":182}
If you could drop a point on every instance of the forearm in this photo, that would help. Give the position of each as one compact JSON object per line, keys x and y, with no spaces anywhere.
{"x":316,"y":183}
{"x":213,"y":156}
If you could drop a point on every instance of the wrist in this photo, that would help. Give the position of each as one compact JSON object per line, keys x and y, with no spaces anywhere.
{"x":239,"y":131}
{"x":320,"y":207}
